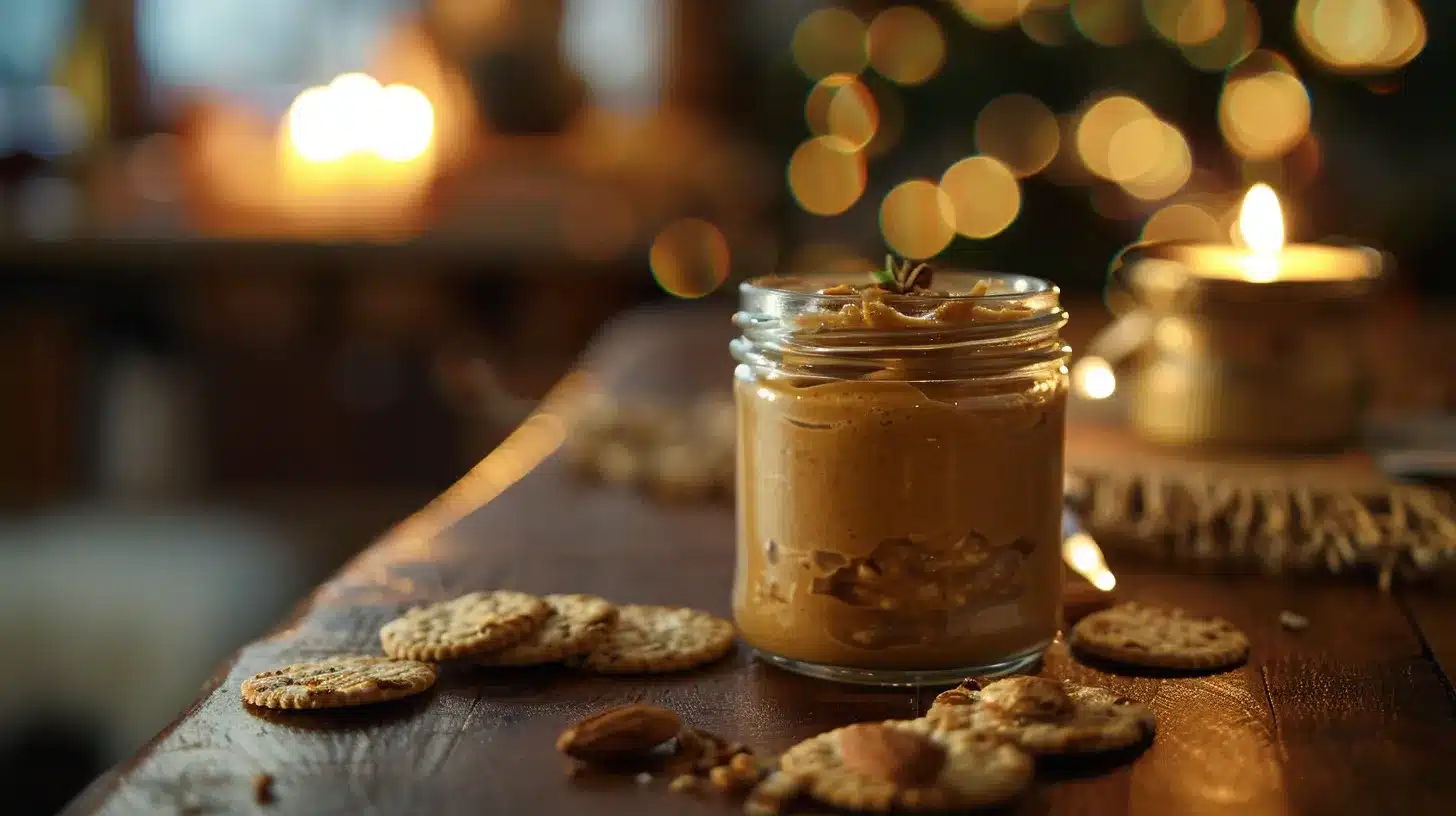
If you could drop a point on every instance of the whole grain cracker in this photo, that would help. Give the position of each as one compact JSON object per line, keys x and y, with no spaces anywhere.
{"x":978,"y":771}
{"x":469,"y":625}
{"x":1171,"y":639}
{"x":577,"y":624}
{"x":656,"y":639}
{"x":338,"y":682}
{"x":1045,"y":716}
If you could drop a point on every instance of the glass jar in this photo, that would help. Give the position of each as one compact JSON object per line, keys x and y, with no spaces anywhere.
{"x":899,"y":490}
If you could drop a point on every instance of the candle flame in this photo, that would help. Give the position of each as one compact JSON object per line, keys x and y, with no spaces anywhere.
{"x":1261,"y":225}
{"x":1081,"y":553}
{"x":1261,"y":222}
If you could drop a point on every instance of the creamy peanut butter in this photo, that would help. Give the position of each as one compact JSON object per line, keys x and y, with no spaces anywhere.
{"x":890,"y":522}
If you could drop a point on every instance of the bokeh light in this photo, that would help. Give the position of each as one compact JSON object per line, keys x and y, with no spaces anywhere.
{"x":840,"y":105}
{"x":1093,"y":378}
{"x":985,"y":197}
{"x":405,"y":121}
{"x":905,"y":45}
{"x":1183,"y":222}
{"x":992,"y":14}
{"x":1235,"y":40}
{"x":891,"y":125}
{"x":314,"y":131}
{"x":1046,"y":22}
{"x":1407,"y":35}
{"x":917,"y":219}
{"x":354,"y":115}
{"x":853,"y":116}
{"x":816,"y":105}
{"x":826,"y":176}
{"x":1361,"y":35}
{"x":1168,"y":164}
{"x":353,"y":97}
{"x":1020,"y":131}
{"x":1263,"y":115}
{"x":689,"y":258}
{"x":1136,"y":149}
{"x":829,"y":40}
{"x":1100,"y":123}
{"x":1107,"y":22}
{"x":1187,"y":22}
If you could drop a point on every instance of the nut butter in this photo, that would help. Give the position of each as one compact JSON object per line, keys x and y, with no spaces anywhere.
{"x":899,"y":476}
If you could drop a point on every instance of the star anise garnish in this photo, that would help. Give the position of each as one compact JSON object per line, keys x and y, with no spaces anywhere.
{"x":902,"y":278}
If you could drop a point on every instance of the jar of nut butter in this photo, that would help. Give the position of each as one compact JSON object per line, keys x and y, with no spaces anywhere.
{"x":899,"y":491}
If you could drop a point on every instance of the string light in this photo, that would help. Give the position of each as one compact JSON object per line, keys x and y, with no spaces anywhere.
{"x":1361,"y":35}
{"x":828,"y":41}
{"x":1106,"y":22}
{"x":1182,"y":222}
{"x":1263,"y":116}
{"x":826,"y":176}
{"x":1020,"y":131}
{"x":985,"y":197}
{"x":689,"y":258}
{"x":917,"y":219}
{"x":992,"y":14}
{"x":905,"y":45}
{"x":1235,"y":40}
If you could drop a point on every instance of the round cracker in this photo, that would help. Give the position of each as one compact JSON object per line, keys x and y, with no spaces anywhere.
{"x":471,"y":624}
{"x":577,"y":625}
{"x":1170,"y":639}
{"x":338,"y":682}
{"x":979,"y":771}
{"x":1045,"y":716}
{"x":656,"y":639}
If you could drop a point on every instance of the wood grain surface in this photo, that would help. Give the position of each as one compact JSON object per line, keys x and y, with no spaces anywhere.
{"x":1353,"y":715}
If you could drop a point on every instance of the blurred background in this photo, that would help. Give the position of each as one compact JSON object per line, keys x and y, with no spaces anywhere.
{"x":274,"y":272}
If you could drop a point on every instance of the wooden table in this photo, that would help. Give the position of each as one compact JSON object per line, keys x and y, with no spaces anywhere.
{"x":1354,"y":715}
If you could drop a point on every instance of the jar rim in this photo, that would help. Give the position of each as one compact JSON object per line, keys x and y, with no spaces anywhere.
{"x":805,"y":288}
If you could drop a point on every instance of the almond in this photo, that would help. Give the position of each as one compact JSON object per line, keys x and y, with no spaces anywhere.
{"x":619,"y":733}
{"x":891,"y":754}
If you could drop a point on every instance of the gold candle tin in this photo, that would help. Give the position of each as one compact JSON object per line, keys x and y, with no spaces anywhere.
{"x":1230,"y":362}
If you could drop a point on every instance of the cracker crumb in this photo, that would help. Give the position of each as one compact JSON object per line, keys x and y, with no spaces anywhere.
{"x":1293,"y":621}
{"x":744,"y":765}
{"x":644,"y":778}
{"x":684,"y":783}
{"x":263,"y":789}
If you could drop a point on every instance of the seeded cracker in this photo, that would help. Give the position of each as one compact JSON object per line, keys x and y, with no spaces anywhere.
{"x":469,"y":625}
{"x":1146,"y":636}
{"x":974,"y":770}
{"x":577,"y":624}
{"x":338,"y":682}
{"x":657,"y":639}
{"x":1045,"y":716}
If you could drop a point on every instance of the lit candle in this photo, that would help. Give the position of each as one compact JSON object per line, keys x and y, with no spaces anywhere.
{"x":1264,"y":257}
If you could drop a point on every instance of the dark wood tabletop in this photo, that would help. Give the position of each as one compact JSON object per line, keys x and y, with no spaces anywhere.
{"x":1353,"y":715}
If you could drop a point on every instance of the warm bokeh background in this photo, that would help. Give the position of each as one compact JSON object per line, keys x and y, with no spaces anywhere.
{"x":274,"y":272}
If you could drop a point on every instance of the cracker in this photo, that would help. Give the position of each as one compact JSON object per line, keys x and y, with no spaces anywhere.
{"x":469,"y":625}
{"x":577,"y":624}
{"x":338,"y":682}
{"x":1045,"y":716}
{"x":656,"y":639}
{"x":1171,"y":639}
{"x":978,"y":771}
